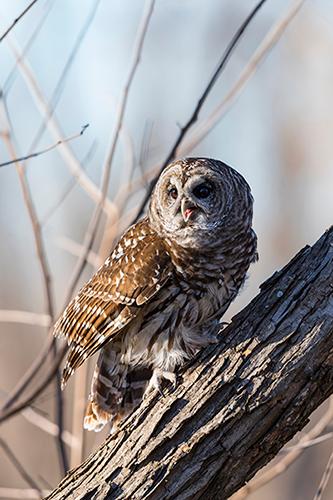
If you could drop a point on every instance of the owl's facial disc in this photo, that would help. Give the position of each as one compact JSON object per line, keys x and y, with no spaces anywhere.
{"x":195,"y":201}
{"x":191,"y":202}
{"x":188,"y":202}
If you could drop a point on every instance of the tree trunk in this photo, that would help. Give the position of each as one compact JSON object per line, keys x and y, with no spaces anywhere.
{"x":238,"y":402}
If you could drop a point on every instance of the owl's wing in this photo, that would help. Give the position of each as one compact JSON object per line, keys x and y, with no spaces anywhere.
{"x":137,"y":269}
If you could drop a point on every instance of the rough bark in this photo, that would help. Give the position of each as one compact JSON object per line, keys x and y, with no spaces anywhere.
{"x":238,"y":403}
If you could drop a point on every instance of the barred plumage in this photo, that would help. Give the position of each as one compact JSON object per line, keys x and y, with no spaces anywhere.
{"x":153,"y":303}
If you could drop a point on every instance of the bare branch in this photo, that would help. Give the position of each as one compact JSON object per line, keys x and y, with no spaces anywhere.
{"x":25,"y":317}
{"x":79,"y":396}
{"x":47,"y":7}
{"x":28,"y":376}
{"x":9,"y":409}
{"x":202,"y":129}
{"x":56,"y":94}
{"x":46,"y":277}
{"x":195,"y":114}
{"x":225,"y":58}
{"x":55,"y":130}
{"x":94,"y":222}
{"x":77,"y":249}
{"x":39,"y":244}
{"x":19,"y":467}
{"x":308,"y":444}
{"x":31,"y":4}
{"x":324,"y":479}
{"x":47,"y":149}
{"x":21,"y":494}
{"x":69,"y":187}
{"x":49,"y":427}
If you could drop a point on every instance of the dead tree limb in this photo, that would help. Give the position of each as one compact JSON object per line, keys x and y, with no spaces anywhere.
{"x":239,"y":402}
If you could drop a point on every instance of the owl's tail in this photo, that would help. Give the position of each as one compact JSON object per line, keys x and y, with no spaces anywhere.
{"x":116,"y":390}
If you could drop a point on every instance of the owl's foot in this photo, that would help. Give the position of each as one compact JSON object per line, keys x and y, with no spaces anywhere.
{"x":156,"y":380}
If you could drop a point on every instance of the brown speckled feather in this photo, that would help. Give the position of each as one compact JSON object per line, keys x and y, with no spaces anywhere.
{"x":136,"y":270}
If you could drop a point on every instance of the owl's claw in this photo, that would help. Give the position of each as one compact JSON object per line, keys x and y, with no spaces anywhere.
{"x":156,"y":379}
{"x":171,"y":377}
{"x":160,"y":391}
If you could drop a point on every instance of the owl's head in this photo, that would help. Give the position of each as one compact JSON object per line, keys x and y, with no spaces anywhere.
{"x":196,"y":199}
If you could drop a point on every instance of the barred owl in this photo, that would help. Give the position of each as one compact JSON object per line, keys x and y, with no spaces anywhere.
{"x":153,"y":303}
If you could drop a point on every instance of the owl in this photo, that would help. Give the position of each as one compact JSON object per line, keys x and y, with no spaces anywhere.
{"x":159,"y":296}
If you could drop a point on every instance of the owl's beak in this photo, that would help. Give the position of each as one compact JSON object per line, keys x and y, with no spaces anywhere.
{"x":187,"y":209}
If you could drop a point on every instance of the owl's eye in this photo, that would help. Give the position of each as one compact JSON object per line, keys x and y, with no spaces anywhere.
{"x":202,"y":191}
{"x":173,"y":193}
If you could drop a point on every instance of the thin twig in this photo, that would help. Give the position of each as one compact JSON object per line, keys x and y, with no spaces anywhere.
{"x":80,"y":382}
{"x":310,"y":443}
{"x":195,"y":114}
{"x":31,"y":4}
{"x":25,"y":317}
{"x":201,"y":130}
{"x":37,"y":419}
{"x":94,"y":222}
{"x":79,"y":396}
{"x":39,"y":244}
{"x":49,"y":301}
{"x":60,"y":85}
{"x":19,"y":467}
{"x":55,"y":130}
{"x":225,"y":58}
{"x":47,"y":7}
{"x":26,"y":379}
{"x":324,"y":479}
{"x":49,"y":427}
{"x":47,"y":149}
{"x":9,"y":410}
{"x":69,"y":187}
{"x":21,"y":493}
{"x":51,"y":346}
{"x":285,"y":462}
{"x":46,"y":277}
{"x":111,"y":227}
{"x":76,"y":249}
{"x":28,"y":376}
{"x":59,"y":410}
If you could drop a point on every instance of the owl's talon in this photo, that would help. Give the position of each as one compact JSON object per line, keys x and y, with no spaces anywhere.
{"x":174,"y":385}
{"x":155,"y":381}
{"x":170,"y":376}
{"x":160,"y":391}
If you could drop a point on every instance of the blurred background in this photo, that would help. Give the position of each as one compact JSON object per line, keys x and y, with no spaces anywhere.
{"x":65,"y":65}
